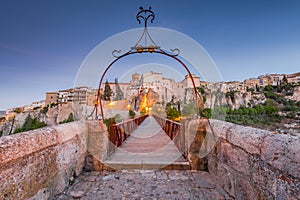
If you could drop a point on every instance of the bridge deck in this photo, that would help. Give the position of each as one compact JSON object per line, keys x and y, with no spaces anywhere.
{"x":148,"y":147}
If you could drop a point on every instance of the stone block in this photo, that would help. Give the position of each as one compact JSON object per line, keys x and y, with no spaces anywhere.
{"x":247,"y":138}
{"x":16,"y":146}
{"x":225,"y":178}
{"x":274,"y":150}
{"x":235,"y":157}
{"x":243,"y":189}
{"x":293,"y":153}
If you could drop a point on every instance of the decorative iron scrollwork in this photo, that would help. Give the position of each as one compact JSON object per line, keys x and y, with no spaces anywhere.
{"x":114,"y":52}
{"x":175,"y":50}
{"x":145,"y":14}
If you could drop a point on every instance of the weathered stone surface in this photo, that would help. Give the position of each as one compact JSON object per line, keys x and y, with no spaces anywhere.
{"x":274,"y":150}
{"x":38,"y":164}
{"x":247,"y":138}
{"x":98,"y":140}
{"x":243,"y":189}
{"x":255,"y":164}
{"x":146,"y":185}
{"x":77,"y":194}
{"x":17,"y":146}
{"x":196,"y":134}
{"x":235,"y":157}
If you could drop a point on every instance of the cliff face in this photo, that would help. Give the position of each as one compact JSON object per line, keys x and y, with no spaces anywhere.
{"x":296,"y":94}
{"x":234,"y":101}
{"x":53,"y":116}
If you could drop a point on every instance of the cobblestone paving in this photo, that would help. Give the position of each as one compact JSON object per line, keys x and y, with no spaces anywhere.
{"x":145,"y":184}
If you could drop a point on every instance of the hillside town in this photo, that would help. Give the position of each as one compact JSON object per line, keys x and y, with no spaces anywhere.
{"x":58,"y":105}
{"x":166,"y":88}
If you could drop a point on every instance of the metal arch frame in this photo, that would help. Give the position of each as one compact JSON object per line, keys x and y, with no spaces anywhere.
{"x":153,"y":48}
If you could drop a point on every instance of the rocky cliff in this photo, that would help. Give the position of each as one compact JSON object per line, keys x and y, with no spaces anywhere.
{"x":233,"y":100}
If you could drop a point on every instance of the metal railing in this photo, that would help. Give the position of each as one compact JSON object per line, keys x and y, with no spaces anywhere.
{"x":121,"y":131}
{"x":175,"y":131}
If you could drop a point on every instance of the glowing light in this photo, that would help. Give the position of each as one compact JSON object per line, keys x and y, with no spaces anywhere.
{"x":112,"y":103}
{"x":144,"y":103}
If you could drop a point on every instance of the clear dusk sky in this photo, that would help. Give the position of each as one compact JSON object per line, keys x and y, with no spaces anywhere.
{"x":44,"y":42}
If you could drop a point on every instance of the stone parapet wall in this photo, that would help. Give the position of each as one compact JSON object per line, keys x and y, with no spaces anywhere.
{"x":251,"y":163}
{"x":97,"y":147}
{"x":40,"y":163}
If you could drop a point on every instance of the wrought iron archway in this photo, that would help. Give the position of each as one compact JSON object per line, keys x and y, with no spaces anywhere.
{"x":146,"y":15}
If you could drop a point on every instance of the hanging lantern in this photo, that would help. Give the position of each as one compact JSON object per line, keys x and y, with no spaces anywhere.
{"x":140,"y":49}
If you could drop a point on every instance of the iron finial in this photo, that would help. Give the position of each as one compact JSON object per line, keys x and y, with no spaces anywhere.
{"x":145,"y":14}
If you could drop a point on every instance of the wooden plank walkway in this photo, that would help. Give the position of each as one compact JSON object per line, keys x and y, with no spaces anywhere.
{"x":148,"y":147}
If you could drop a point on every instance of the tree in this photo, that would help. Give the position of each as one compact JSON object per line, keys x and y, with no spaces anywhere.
{"x":257,"y":88}
{"x":107,"y":92}
{"x":173,"y":114}
{"x":284,"y":80}
{"x":201,"y":89}
{"x":118,"y":92}
{"x":206,"y":112}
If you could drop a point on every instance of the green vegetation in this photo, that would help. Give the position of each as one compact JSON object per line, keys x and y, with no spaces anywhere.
{"x":189,"y":110}
{"x":230,"y":94}
{"x":108,"y":122}
{"x":71,"y":118}
{"x":118,"y":92}
{"x":201,"y":90}
{"x":1,"y":132}
{"x":172,"y":112}
{"x":143,"y":112}
{"x":53,"y":105}
{"x":206,"y":112}
{"x":113,"y":120}
{"x":118,"y":118}
{"x":259,"y":114}
{"x":265,"y":114}
{"x":44,"y":110}
{"x":30,"y":124}
{"x":286,"y":105}
{"x":131,"y":113}
{"x":107,"y":92}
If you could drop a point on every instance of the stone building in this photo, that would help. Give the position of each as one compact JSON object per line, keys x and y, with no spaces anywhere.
{"x":264,"y":80}
{"x":64,"y":96}
{"x":166,"y":88}
{"x":275,"y":79}
{"x":51,"y":97}
{"x":236,"y":86}
{"x":252,"y":82}
{"x":293,"y":78}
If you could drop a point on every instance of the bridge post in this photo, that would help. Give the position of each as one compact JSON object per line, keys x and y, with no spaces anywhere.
{"x":196,"y":135}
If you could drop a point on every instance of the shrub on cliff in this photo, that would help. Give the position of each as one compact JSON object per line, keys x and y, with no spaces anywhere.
{"x":71,"y":118}
{"x":30,"y":124}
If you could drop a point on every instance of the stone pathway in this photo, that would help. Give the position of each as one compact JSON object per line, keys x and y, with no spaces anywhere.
{"x":145,"y":184}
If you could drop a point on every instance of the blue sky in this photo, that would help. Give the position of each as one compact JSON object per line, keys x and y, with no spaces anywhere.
{"x":43,"y":43}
